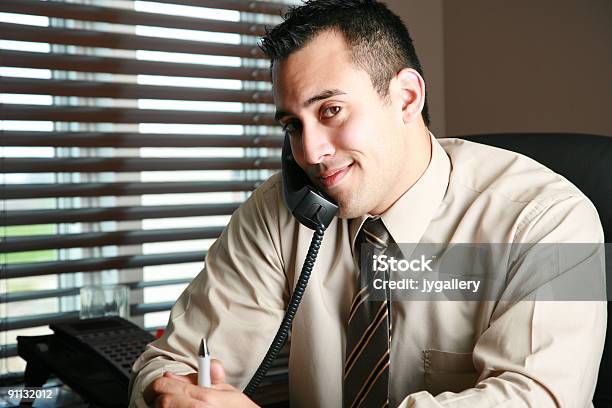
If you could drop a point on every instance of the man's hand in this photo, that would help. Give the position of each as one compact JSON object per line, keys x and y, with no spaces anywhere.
{"x":175,"y":391}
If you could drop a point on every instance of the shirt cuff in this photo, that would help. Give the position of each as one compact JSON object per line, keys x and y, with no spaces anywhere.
{"x":421,"y":399}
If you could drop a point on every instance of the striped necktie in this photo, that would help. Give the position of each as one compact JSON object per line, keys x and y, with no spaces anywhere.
{"x":366,"y":367}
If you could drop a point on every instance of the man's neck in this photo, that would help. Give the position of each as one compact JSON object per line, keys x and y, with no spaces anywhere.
{"x":419,"y":154}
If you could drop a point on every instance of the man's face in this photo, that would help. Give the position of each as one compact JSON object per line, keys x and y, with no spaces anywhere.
{"x":350,"y":142}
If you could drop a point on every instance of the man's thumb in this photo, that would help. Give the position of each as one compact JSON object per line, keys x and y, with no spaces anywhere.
{"x":217,"y":372}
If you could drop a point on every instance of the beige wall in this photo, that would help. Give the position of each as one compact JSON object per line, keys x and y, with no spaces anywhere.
{"x":424,"y":21}
{"x":515,"y":66}
{"x":525,"y":65}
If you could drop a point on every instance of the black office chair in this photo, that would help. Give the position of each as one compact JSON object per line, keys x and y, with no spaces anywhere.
{"x":586,"y":161}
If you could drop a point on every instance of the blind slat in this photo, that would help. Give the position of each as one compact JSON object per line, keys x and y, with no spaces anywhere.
{"x":117,"y":139}
{"x":111,"y":65}
{"x":144,"y":308}
{"x":88,"y":38}
{"x":9,"y":350}
{"x":126,"y":115}
{"x":262,"y":7}
{"x":126,"y":16}
{"x":92,"y":239}
{"x":24,"y":322}
{"x":29,"y":217}
{"x":92,"y":89}
{"x":22,"y":296}
{"x":22,"y":270}
{"x":128,"y":164}
{"x":22,"y":191}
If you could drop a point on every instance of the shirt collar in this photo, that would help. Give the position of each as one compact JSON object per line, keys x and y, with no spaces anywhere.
{"x":407,"y":219}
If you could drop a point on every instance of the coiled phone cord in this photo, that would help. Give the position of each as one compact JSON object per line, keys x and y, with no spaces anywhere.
{"x":296,"y":297}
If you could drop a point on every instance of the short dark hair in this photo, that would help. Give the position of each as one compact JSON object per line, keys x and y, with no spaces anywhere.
{"x":378,"y":39}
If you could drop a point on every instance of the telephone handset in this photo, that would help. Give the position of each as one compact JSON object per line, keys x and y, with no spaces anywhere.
{"x":314,"y":210}
{"x":310,"y":206}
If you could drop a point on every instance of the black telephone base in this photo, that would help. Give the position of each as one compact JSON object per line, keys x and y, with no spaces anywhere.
{"x":82,"y":372}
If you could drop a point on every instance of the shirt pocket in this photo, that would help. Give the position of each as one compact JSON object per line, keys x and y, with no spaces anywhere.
{"x":446,"y":371}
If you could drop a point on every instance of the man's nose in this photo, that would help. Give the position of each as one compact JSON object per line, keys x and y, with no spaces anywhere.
{"x":316,"y":142}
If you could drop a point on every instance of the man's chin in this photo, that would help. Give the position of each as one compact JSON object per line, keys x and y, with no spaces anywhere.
{"x":348,"y":215}
{"x":348,"y":206}
{"x":348,"y":211}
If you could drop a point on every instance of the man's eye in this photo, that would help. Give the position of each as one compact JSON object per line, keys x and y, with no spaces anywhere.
{"x":331,"y":111}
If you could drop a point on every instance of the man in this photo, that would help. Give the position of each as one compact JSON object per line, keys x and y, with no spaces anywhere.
{"x":349,"y":91}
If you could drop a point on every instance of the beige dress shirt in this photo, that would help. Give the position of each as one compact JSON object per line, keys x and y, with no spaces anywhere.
{"x":443,"y":354}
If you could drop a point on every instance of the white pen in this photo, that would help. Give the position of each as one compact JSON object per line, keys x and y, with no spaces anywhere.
{"x":204,"y":365}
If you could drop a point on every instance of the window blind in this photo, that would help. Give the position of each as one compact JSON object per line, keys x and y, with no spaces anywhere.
{"x":131,"y":131}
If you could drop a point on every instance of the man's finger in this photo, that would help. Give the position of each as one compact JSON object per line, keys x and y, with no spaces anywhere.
{"x":185,"y":388}
{"x":217,"y":372}
{"x":172,"y":392}
{"x":154,"y":389}
{"x":188,"y":378}
{"x":169,"y":385}
{"x":178,"y":401}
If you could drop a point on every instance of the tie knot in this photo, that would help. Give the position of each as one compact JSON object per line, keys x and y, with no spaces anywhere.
{"x":375,"y":233}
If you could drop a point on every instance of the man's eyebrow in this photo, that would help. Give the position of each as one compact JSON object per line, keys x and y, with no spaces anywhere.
{"x":328,"y":93}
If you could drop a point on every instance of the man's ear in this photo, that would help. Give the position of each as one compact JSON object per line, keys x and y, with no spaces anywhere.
{"x":411,"y":89}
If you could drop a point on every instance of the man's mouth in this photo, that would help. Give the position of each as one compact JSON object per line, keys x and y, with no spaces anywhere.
{"x":333,"y":177}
